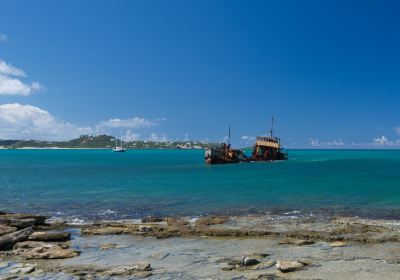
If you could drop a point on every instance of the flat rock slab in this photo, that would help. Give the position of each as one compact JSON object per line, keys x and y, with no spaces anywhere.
{"x":339,"y":244}
{"x":50,"y":236}
{"x":39,"y":219}
{"x":41,"y":250}
{"x":6,"y":229}
{"x":108,"y":246}
{"x":296,"y":242}
{"x":289,"y":266}
{"x":129,"y":270}
{"x":23,"y":269}
{"x":18,"y":223}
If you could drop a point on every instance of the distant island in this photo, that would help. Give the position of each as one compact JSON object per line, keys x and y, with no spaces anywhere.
{"x":101,"y":142}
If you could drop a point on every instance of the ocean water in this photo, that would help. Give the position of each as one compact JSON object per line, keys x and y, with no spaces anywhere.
{"x":99,"y":184}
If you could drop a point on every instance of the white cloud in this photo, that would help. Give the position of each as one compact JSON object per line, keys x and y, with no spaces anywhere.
{"x":314,"y":142}
{"x":381,"y":141}
{"x":131,"y":136}
{"x":11,"y":83}
{"x":385,"y":142}
{"x":8,"y":69}
{"x":3,"y":37}
{"x":135,"y":122}
{"x":29,"y":122}
{"x":14,"y":86}
{"x":157,"y":138}
{"x":330,"y":144}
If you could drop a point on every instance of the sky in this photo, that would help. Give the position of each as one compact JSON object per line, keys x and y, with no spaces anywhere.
{"x":327,"y":71}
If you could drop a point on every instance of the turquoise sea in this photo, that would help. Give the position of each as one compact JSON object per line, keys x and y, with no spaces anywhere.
{"x":99,"y":184}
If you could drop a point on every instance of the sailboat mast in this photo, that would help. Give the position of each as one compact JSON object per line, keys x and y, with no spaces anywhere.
{"x":121,"y":137}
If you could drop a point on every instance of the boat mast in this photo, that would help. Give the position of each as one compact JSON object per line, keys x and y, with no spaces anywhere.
{"x":272,"y":127}
{"x":229,"y":135}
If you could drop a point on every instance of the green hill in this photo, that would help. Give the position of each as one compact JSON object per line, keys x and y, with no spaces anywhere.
{"x":101,"y":142}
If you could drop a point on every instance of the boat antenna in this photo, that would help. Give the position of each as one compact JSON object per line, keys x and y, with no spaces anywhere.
{"x":229,"y":135}
{"x":272,"y":127}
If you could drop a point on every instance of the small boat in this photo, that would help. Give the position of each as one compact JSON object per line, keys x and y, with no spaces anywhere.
{"x":266,"y":148}
{"x":224,"y":154}
{"x":118,"y":149}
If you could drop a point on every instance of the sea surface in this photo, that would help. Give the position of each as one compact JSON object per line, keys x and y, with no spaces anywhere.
{"x":82,"y":185}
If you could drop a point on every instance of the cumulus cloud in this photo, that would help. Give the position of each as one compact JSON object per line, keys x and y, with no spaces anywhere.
{"x":13,"y":86}
{"x":11,"y":83}
{"x":19,"y":121}
{"x":385,"y":142}
{"x":29,"y":122}
{"x":131,"y":136}
{"x":136,"y":122}
{"x":330,"y":144}
{"x":157,"y":138}
{"x":3,"y":37}
{"x":8,"y":69}
{"x":381,"y":141}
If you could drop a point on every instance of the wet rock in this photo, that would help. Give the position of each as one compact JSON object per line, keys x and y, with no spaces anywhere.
{"x":129,"y":270}
{"x":212,"y":220}
{"x":176,"y":222}
{"x":4,"y":265}
{"x":41,"y":250}
{"x":39,"y":219}
{"x":289,"y":266}
{"x":9,"y":277}
{"x":264,"y":265}
{"x":296,"y":242}
{"x":145,"y":229}
{"x":261,"y":255}
{"x":6,"y":229}
{"x":22,"y":269}
{"x":246,"y":261}
{"x":7,"y":241}
{"x":50,"y":236}
{"x":18,"y":223}
{"x":338,"y":244}
{"x":104,"y":230}
{"x":152,"y":220}
{"x":108,"y":246}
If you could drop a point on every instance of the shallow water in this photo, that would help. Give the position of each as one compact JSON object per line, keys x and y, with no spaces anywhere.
{"x":99,"y":184}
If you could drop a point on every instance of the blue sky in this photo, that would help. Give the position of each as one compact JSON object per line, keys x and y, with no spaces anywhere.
{"x":327,"y":71}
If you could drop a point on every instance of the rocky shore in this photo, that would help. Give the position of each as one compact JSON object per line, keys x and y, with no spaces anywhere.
{"x":214,"y":247}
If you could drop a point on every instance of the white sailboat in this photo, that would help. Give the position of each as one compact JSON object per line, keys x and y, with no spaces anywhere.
{"x":118,"y":149}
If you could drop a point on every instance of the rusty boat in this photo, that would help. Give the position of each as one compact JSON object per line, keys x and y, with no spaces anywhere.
{"x":265,"y":148}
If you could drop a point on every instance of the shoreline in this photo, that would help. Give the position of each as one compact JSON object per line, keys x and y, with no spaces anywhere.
{"x":324,"y":214}
{"x":223,"y":247}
